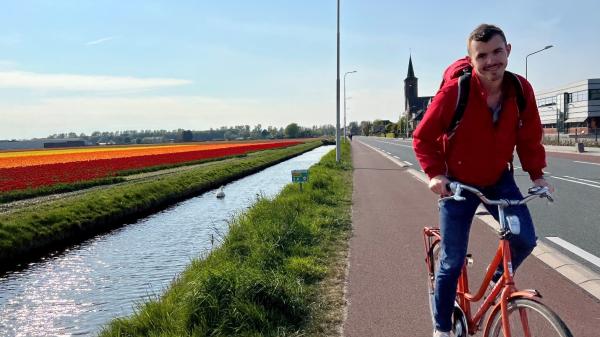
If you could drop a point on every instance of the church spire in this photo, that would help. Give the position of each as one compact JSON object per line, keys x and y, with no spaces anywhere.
{"x":411,"y":72}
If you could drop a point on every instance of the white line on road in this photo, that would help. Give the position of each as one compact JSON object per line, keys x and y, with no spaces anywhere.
{"x":575,"y":181}
{"x":585,"y":162}
{"x":575,"y":250}
{"x":580,"y":179}
{"x":408,"y":163}
{"x":396,"y":157}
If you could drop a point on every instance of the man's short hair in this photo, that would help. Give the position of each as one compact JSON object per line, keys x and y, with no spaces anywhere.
{"x":485,"y":32}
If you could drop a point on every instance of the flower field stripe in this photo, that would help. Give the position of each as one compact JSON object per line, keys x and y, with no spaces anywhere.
{"x":34,"y":158}
{"x":23,"y":177}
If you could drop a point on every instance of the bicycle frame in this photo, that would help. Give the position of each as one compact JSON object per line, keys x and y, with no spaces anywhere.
{"x":505,"y":287}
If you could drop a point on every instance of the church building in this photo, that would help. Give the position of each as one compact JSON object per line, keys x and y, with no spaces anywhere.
{"x":414,"y":106}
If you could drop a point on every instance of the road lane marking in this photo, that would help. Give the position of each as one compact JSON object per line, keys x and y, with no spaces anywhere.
{"x":396,"y":157}
{"x":575,"y":181}
{"x":408,"y":163}
{"x":575,"y":250}
{"x":586,"y":180}
{"x":580,"y":275}
{"x":585,"y":162}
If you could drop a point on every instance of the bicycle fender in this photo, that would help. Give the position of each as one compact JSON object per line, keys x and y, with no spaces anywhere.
{"x":531,"y":294}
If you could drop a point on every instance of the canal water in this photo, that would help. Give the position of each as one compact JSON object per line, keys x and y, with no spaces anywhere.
{"x":75,"y":292}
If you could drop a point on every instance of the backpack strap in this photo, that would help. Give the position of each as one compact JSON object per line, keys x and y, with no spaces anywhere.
{"x":464,"y":85}
{"x":521,"y":101}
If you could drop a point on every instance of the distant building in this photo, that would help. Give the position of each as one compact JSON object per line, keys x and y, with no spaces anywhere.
{"x":414,"y":106}
{"x":570,"y":109}
{"x":153,"y":140}
{"x":40,"y":143}
{"x":64,"y":143}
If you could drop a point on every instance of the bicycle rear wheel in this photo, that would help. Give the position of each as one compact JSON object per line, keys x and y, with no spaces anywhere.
{"x":530,"y":318}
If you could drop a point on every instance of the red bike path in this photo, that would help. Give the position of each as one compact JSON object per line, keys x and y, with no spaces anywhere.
{"x":386,"y":286}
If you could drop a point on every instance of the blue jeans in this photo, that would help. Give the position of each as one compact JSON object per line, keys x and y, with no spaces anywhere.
{"x":455,"y":223}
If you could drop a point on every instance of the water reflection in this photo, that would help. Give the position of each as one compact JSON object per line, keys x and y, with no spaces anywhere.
{"x":73,"y":293}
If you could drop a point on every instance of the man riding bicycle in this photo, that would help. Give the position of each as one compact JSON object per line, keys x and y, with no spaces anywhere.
{"x":477,"y":150}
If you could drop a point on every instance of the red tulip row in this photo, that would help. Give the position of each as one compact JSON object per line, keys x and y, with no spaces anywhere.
{"x":18,"y":178}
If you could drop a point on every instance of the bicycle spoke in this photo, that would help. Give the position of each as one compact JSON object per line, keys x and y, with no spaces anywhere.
{"x":524,"y":322}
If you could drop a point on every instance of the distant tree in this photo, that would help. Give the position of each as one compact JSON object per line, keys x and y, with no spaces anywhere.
{"x":187,"y":136}
{"x":353,"y":128}
{"x":229,"y":135}
{"x":365,"y":128}
{"x":292,"y":131}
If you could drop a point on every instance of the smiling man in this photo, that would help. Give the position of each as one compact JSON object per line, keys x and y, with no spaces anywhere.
{"x":477,"y":150}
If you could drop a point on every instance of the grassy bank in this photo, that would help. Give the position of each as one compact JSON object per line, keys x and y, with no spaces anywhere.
{"x":38,"y":228}
{"x":277,"y":273}
{"x":6,"y":197}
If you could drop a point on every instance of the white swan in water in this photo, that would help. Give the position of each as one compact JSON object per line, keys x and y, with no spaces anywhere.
{"x":220,"y":193}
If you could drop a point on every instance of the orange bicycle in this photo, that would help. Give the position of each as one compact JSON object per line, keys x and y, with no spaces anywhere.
{"x":512,"y":312}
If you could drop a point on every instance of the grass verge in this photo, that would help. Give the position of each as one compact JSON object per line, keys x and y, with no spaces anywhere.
{"x":9,"y":196}
{"x":38,"y":228}
{"x":272,"y":276}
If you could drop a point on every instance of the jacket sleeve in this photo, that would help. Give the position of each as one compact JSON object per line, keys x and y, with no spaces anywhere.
{"x":428,"y":136}
{"x":529,"y":136}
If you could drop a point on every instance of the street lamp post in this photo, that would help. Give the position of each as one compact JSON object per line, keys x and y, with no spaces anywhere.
{"x":349,"y":72}
{"x":338,"y":150}
{"x":535,"y":52}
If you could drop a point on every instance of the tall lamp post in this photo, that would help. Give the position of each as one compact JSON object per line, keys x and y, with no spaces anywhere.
{"x":338,"y":150}
{"x":535,"y":52}
{"x":349,"y":72}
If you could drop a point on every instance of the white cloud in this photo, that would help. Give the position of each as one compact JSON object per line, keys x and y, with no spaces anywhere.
{"x":67,"y":82}
{"x":101,"y":40}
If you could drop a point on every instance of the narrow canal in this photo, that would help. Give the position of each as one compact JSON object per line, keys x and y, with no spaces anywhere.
{"x":75,"y":292}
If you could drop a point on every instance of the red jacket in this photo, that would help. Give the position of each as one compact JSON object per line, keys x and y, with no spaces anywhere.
{"x":480,"y":151}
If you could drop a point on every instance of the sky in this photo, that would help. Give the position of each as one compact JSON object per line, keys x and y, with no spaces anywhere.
{"x":82,"y":66}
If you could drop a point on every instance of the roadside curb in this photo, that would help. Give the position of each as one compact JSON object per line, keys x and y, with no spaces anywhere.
{"x":575,"y":272}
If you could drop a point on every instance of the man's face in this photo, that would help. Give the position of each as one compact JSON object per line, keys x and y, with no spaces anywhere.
{"x":489,"y":59}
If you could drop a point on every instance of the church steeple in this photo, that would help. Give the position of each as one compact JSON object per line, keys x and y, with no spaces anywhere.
{"x":411,"y":72}
{"x":411,"y":84}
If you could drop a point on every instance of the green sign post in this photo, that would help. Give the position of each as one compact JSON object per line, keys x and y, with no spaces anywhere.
{"x":300,"y":176}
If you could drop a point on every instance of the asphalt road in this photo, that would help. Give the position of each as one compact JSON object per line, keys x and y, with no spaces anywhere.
{"x":575,"y":215}
{"x":386,"y":282}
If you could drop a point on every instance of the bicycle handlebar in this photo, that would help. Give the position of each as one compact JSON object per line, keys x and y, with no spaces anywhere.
{"x":534,"y":192}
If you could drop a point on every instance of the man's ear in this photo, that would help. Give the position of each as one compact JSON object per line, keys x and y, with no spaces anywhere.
{"x":508,"y":47}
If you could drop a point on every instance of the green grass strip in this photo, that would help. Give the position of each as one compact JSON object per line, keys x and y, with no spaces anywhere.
{"x":58,"y":188}
{"x":267,"y":277}
{"x":43,"y":226}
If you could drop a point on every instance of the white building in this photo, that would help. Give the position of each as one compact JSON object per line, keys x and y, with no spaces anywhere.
{"x":573,"y":108}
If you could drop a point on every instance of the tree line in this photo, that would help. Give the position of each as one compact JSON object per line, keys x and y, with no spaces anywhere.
{"x":238,"y":132}
{"x":380,"y":127}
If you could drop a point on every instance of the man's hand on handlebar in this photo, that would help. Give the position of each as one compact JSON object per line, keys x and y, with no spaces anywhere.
{"x":438,"y":185}
{"x":543,"y":183}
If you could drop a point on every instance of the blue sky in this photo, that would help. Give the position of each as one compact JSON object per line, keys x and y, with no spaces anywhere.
{"x":113,"y":65}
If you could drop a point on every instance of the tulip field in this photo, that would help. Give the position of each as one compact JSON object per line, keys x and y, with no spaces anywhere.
{"x":20,"y":170}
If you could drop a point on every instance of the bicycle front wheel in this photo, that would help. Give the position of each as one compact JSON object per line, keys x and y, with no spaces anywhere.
{"x":529,"y":318}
